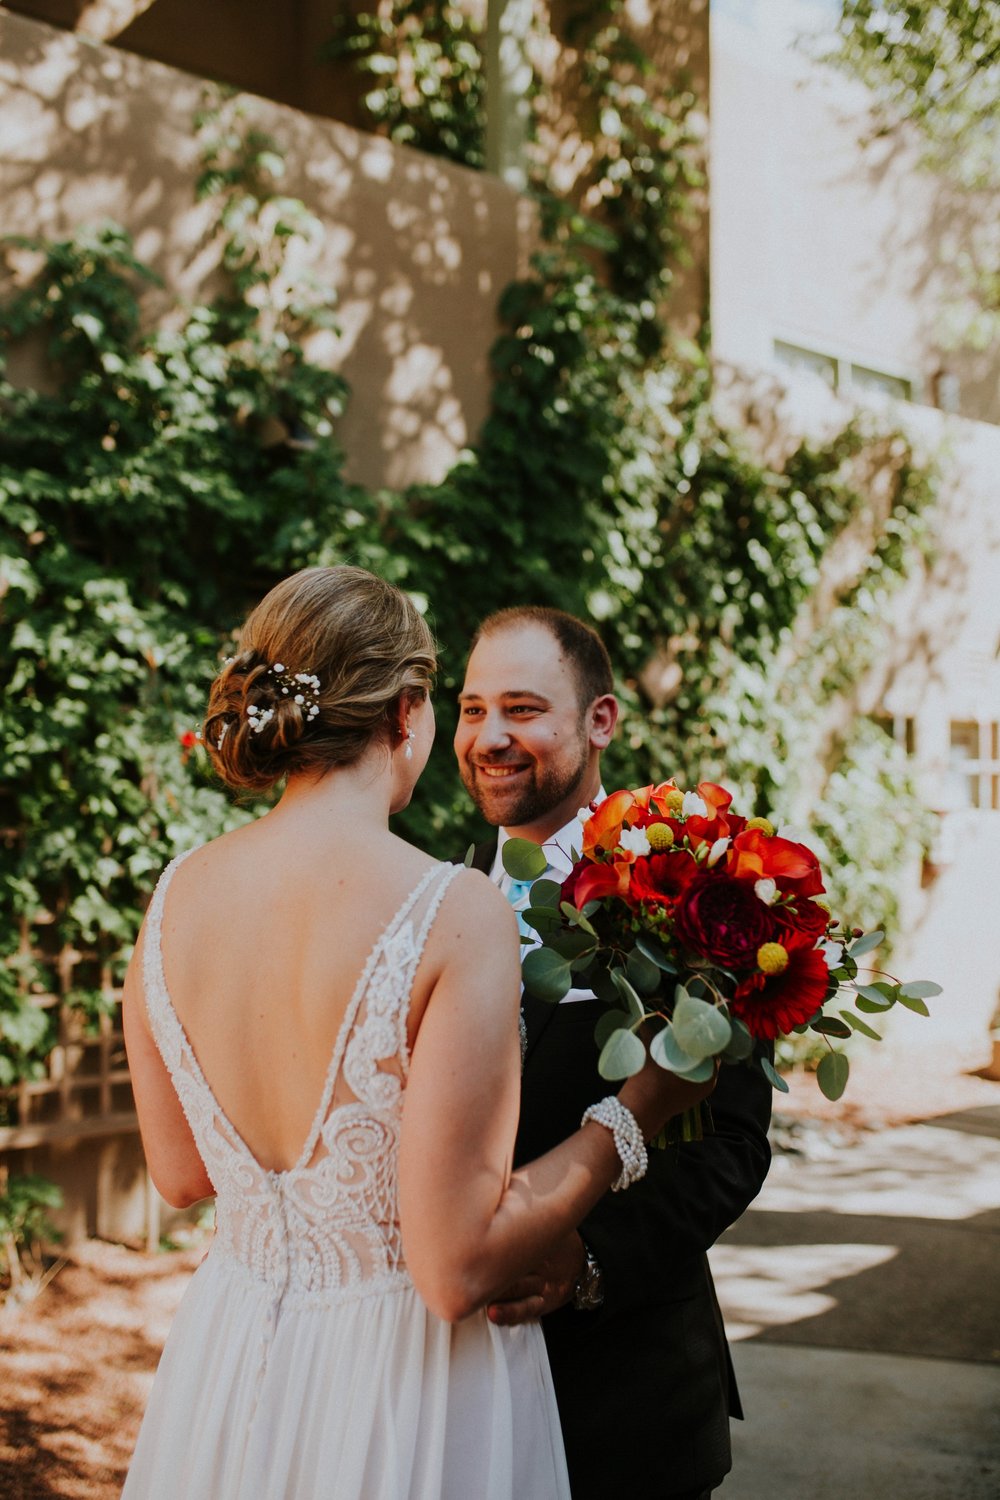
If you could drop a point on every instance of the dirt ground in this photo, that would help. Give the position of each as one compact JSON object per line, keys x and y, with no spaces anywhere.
{"x":77,"y":1361}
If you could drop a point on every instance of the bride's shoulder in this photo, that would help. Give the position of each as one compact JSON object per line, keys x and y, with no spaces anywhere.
{"x":472,"y":896}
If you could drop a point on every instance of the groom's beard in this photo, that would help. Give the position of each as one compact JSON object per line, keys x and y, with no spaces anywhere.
{"x":537,"y":793}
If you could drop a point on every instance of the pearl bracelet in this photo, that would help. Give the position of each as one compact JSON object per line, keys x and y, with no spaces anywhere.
{"x":631,"y":1148}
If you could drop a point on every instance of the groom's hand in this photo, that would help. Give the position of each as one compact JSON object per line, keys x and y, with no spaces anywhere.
{"x":541,"y":1292}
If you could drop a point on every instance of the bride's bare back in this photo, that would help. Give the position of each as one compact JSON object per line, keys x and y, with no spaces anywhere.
{"x":265,"y":935}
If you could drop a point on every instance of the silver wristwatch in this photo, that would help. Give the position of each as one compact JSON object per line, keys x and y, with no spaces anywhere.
{"x":588,"y":1294}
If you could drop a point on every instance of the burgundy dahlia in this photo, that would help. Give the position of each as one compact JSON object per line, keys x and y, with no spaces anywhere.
{"x":723,"y":920}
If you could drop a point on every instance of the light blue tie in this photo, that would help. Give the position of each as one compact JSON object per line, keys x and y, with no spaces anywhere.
{"x":517,"y":895}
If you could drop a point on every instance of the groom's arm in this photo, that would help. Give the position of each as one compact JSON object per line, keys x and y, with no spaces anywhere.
{"x":691,"y":1193}
{"x":643,"y":1237}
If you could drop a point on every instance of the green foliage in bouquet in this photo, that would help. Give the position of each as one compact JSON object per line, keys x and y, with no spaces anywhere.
{"x":704,"y":931}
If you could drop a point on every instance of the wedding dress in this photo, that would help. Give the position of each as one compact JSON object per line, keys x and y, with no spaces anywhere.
{"x":303,"y":1364}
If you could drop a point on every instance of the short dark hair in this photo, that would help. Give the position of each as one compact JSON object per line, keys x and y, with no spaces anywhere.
{"x":579,"y":641}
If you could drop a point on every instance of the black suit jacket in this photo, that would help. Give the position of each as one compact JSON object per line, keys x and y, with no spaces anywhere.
{"x":645,"y":1383}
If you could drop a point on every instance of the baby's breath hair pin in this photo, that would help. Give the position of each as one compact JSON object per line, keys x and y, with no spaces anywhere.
{"x":259,"y":717}
{"x":302,"y":687}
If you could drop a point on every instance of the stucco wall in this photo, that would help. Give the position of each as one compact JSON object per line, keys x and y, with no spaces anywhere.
{"x":821,"y":242}
{"x":417,"y":250}
{"x":940,"y":663}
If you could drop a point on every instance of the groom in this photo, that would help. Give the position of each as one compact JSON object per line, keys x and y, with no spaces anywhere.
{"x":634,"y":1333}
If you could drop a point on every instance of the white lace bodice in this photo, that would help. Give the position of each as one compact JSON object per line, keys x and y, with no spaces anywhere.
{"x":326,"y":1229}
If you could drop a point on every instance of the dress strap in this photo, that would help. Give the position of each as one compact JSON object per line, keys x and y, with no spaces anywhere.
{"x":391,"y":950}
{"x":438,"y":892}
{"x":154,"y":981}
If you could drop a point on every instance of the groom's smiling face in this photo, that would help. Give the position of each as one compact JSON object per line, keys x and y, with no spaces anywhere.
{"x":523,"y":742}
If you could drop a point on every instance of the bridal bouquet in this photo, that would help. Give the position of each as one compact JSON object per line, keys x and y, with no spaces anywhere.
{"x":705,"y":927}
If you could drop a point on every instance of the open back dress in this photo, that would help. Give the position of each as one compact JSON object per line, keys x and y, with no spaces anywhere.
{"x":302,"y":1363}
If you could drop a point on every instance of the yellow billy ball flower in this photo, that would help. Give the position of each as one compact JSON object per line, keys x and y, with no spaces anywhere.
{"x":660,"y":836}
{"x":772,"y":958}
{"x":674,"y":800}
{"x":763,"y":825}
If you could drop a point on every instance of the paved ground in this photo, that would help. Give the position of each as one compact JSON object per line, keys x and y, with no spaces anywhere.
{"x":862,"y":1292}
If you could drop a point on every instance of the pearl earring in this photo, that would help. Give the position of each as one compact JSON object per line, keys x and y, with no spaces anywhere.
{"x":408,"y":749}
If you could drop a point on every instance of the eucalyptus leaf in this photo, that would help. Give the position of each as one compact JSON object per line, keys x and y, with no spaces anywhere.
{"x":831,"y":1026}
{"x":611,"y":1021}
{"x":655,"y":952}
{"x":919,"y":989}
{"x":603,"y":985}
{"x":701,"y":1029}
{"x":470,"y":855}
{"x":740,"y":1043}
{"x":832,"y":1074}
{"x":622,"y":1055}
{"x":545,"y":893}
{"x":865,"y":944}
{"x":914,"y":1003}
{"x":773,"y":1077}
{"x":576,"y":917}
{"x":666,"y":1052}
{"x":875,"y":997}
{"x":634,"y":1005}
{"x":522,"y":859}
{"x":571,"y":945}
{"x":547,"y":975}
{"x":542,"y":919}
{"x":643,"y":973}
{"x":856,"y":1024}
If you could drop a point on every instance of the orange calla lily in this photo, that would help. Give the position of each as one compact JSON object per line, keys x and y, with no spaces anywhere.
{"x":604,"y":827}
{"x":754,"y":856}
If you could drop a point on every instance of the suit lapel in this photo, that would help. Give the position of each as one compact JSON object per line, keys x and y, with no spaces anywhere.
{"x":538,"y":1014}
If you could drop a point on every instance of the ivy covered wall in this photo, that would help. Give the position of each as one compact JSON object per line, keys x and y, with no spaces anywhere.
{"x":167,"y":475}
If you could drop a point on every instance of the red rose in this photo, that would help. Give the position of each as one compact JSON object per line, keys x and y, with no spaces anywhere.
{"x":773,"y":1005}
{"x":188,"y":739}
{"x":660,"y":878}
{"x":722,"y":920}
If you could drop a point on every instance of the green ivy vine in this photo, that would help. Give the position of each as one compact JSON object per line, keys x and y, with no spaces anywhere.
{"x":167,"y":477}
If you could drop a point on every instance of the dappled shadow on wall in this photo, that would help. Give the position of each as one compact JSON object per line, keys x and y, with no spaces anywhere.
{"x":416,"y":250}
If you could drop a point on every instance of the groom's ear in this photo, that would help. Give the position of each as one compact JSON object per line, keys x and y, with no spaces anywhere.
{"x":602,"y":717}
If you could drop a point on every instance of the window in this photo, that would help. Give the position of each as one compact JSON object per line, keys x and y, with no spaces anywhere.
{"x":864,"y":379}
{"x":794,"y":357}
{"x":841,"y":374}
{"x":974,"y":764}
{"x":900,"y":728}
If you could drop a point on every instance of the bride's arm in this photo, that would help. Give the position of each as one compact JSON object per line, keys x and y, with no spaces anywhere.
{"x":172,"y":1157}
{"x":470,"y":1226}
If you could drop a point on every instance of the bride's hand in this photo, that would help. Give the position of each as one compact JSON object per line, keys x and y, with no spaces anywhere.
{"x":551,"y":1286}
{"x":654,"y":1096}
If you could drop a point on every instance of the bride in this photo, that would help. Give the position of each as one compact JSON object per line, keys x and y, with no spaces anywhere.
{"x":322,"y":1029}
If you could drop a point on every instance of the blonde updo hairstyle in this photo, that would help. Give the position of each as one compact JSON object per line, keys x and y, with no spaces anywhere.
{"x":361,"y":637}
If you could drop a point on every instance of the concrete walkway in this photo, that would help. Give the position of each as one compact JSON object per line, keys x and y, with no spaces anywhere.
{"x":862,"y":1296}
